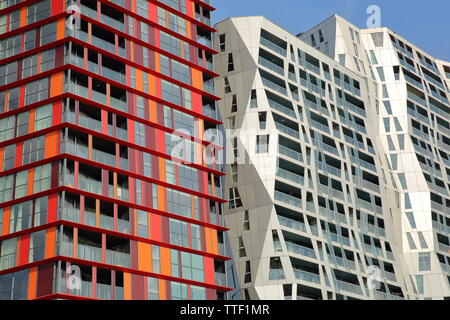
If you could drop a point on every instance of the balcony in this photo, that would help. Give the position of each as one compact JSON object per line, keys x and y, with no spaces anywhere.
{"x":89,"y":253}
{"x":300,"y":250}
{"x":307,"y":276}
{"x":346,"y":286}
{"x":269,"y":44}
{"x":272,"y":66}
{"x":288,"y":175}
{"x":287,"y":199}
{"x":287,"y":130}
{"x":292,"y":224}
{"x":117,"y":258}
{"x":104,"y":291}
{"x":290,"y":153}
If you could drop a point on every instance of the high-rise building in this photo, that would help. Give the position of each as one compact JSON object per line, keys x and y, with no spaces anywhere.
{"x":105,"y":187}
{"x":338,"y":164}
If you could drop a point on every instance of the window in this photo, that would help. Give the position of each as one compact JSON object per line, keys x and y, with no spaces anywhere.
{"x":43,"y":117}
{"x":253,"y":99}
{"x":153,"y":289}
{"x":42,"y":177}
{"x":262,"y":144}
{"x":241,"y":247}
{"x":142,"y":223}
{"x":377,"y":38}
{"x":381,"y":74}
{"x":13,"y":98}
{"x":222,"y":39}
{"x":230,"y":62}
{"x":9,"y":157}
{"x":40,"y":211}
{"x":6,"y":188}
{"x":419,"y":281}
{"x":246,"y":221}
{"x":21,"y":184}
{"x":248,"y":272}
{"x":139,"y":134}
{"x":234,"y":172}
{"x":423,"y":242}
{"x":47,"y":60}
{"x":179,"y":233}
{"x":192,"y":266}
{"x":196,"y":237}
{"x":7,"y":128}
{"x":30,"y":66}
{"x":33,"y":150}
{"x":8,"y":253}
{"x":198,"y":293}
{"x":234,"y":107}
{"x":30,"y":40}
{"x":38,"y":11}
{"x":234,"y":199}
{"x":227,"y":85}
{"x":37,"y":246}
{"x":48,"y":33}
{"x":10,"y":46}
{"x":142,"y":8}
{"x":156,"y":261}
{"x":424,"y":261}
{"x":179,"y":291}
{"x":36,"y":91}
{"x":8,"y":73}
{"x":21,"y":216}
{"x":232,"y":122}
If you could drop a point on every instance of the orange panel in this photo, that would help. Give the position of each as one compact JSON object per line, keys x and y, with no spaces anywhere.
{"x":32,"y":283}
{"x":157,"y":62}
{"x":127,"y":286}
{"x":152,"y":85}
{"x":188,"y":29}
{"x":23,"y":17}
{"x":197,"y":78}
{"x":145,"y":256}
{"x":31,"y":121}
{"x":2,"y":151}
{"x":6,"y":217}
{"x":51,"y":144}
{"x":214,"y":242}
{"x":30,"y":180}
{"x":208,"y":240}
{"x":60,"y":29}
{"x":56,"y":84}
{"x":165,"y":261}
{"x":162,"y":289}
{"x":139,"y":80}
{"x":50,"y":242}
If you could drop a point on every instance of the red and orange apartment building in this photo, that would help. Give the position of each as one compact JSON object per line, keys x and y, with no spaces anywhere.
{"x":95,"y":202}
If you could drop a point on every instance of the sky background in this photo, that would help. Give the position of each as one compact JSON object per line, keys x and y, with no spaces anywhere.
{"x":424,"y":23}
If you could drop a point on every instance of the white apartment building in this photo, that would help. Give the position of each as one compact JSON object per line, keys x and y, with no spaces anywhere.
{"x":340,"y":166}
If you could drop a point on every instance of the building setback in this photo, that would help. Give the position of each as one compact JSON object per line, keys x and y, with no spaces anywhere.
{"x":339,"y":166}
{"x":92,"y":203}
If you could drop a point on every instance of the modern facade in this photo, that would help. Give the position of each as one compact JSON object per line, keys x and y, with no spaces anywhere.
{"x":94,"y":202}
{"x":338,"y":165}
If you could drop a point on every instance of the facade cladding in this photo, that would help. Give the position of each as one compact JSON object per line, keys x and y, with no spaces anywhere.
{"x":92,"y":204}
{"x":339,"y":186}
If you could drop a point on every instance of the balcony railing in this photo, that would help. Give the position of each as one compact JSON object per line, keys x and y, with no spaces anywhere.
{"x":307,"y":276}
{"x":300,"y":250}
{"x":290,"y":200}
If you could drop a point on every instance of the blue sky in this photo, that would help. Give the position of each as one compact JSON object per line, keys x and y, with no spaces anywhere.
{"x":424,"y":23}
